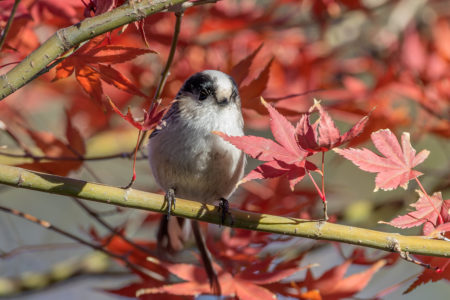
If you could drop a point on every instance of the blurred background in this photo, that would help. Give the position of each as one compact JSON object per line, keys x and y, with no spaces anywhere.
{"x":389,"y":58}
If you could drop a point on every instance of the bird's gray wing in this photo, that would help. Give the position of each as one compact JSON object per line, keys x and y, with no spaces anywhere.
{"x":170,"y":116}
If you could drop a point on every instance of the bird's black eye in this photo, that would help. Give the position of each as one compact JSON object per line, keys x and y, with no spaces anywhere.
{"x":203,"y":94}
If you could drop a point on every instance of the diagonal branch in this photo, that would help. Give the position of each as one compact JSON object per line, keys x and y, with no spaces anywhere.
{"x":318,"y":230}
{"x":67,"y":38}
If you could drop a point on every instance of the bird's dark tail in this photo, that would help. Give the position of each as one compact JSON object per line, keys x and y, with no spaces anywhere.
{"x":173,"y":233}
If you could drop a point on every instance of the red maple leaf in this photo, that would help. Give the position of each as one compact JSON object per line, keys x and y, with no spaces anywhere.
{"x":396,"y":168}
{"x":91,"y":64}
{"x":286,"y":158}
{"x":431,"y":274}
{"x":332,"y":285}
{"x":151,"y":118}
{"x":323,"y":135}
{"x":431,"y":211}
{"x":246,"y":282}
{"x":56,"y":148}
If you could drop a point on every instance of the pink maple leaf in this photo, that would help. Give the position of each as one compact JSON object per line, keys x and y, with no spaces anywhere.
{"x":396,"y":167}
{"x":431,"y":211}
{"x":283,"y":158}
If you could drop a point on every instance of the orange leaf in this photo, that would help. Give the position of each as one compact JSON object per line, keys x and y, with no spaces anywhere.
{"x":114,"y":77}
{"x":128,"y":117}
{"x":89,"y":80}
{"x":74,"y":137}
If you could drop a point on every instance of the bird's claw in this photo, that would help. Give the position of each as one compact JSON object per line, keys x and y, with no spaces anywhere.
{"x":169,"y":197}
{"x":224,"y":208}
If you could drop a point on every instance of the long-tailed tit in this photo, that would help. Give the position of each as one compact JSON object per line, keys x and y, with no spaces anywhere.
{"x":186,"y":158}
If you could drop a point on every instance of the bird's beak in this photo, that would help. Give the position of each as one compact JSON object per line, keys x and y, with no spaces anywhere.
{"x":223,"y":101}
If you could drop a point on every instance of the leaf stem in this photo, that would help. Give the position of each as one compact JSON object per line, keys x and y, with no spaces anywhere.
{"x":325,"y":214}
{"x":133,"y":178}
{"x":441,"y":221}
{"x":173,"y":47}
{"x":321,"y":195}
{"x":8,"y":25}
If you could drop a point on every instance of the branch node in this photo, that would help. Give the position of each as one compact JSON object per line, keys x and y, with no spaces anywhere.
{"x":61,"y":34}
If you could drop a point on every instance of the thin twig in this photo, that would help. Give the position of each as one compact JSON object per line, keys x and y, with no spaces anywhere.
{"x":18,"y":142}
{"x":173,"y":47}
{"x":166,"y":71}
{"x":8,"y":25}
{"x":405,"y":255}
{"x":113,"y":230}
{"x":29,"y":248}
{"x":72,"y":158}
{"x":69,"y":235}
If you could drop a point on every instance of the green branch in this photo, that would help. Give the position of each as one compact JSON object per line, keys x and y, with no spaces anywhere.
{"x":21,"y":178}
{"x":69,"y":37}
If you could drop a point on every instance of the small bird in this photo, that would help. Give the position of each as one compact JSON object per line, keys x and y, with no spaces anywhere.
{"x":187,"y":159}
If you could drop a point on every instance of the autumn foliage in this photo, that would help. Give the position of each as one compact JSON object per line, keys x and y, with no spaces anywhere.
{"x":313,"y":76}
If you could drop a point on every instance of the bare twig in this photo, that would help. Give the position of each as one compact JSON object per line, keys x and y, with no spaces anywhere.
{"x":405,"y":255}
{"x":72,"y":158}
{"x":30,"y":248}
{"x":113,"y":230}
{"x":8,"y":25}
{"x":166,"y":71}
{"x":69,"y":235}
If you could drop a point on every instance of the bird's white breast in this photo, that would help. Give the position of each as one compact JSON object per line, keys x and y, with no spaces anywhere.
{"x":198,"y":164}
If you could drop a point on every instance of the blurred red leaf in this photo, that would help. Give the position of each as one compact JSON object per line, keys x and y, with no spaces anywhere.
{"x":332,"y":285}
{"x":53,"y":147}
{"x":114,"y":77}
{"x":246,"y":284}
{"x":89,"y":65}
{"x":89,"y":79}
{"x":241,"y":69}
{"x":128,"y":117}
{"x":414,"y":52}
{"x":151,"y":118}
{"x":395,"y":169}
{"x":66,"y":10}
{"x":251,"y":92}
{"x":73,"y":135}
{"x":441,"y":34}
{"x":430,"y":274}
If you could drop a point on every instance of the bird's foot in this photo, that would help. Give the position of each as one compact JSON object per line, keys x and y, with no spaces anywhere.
{"x":169,"y":197}
{"x":224,"y":208}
